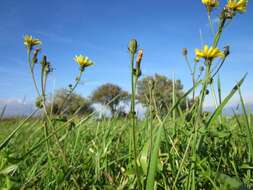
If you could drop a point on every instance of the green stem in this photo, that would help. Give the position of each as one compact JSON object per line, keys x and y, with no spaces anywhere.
{"x":203,"y":90}
{"x":192,"y":72}
{"x":133,"y":115}
{"x":71,"y":91}
{"x":210,"y":22}
{"x":32,"y":71}
{"x":218,"y":34}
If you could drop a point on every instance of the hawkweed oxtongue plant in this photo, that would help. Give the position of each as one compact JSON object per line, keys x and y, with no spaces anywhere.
{"x":135,"y":74}
{"x":46,"y":68}
{"x":209,"y":55}
{"x":83,"y":62}
{"x":40,"y":103}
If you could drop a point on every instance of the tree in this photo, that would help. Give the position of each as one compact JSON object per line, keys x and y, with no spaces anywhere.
{"x":161,"y":89}
{"x":68,"y":104}
{"x":110,"y":95}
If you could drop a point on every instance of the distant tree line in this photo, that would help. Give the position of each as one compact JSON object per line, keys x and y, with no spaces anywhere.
{"x":157,"y":90}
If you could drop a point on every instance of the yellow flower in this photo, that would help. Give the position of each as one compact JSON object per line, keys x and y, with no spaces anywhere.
{"x":236,"y":5}
{"x":208,"y":53}
{"x":210,"y":4}
{"x":83,"y":61}
{"x":29,"y":41}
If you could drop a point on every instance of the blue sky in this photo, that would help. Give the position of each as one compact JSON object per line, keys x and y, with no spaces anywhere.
{"x":101,"y":30}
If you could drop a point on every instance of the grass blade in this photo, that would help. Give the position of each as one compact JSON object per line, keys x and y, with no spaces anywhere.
{"x":153,"y":161}
{"x":2,"y":112}
{"x":219,"y":109}
{"x":6,"y":141}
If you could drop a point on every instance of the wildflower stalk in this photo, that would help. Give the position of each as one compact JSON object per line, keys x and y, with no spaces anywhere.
{"x":210,"y":22}
{"x":31,"y":66}
{"x":133,"y":114}
{"x":208,"y":63}
{"x":32,"y":71}
{"x":218,"y":69}
{"x":220,"y":29}
{"x":42,"y":101}
{"x":151,"y":116}
{"x":45,"y":122}
{"x":207,"y":80}
{"x":192,"y":71}
{"x":204,"y":88}
{"x":78,"y":79}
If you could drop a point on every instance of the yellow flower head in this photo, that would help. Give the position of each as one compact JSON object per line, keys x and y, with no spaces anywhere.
{"x":237,"y":5}
{"x":29,"y":41}
{"x":208,"y":53}
{"x":210,"y":4}
{"x":83,"y":61}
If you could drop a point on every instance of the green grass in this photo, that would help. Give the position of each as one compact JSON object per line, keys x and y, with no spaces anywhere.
{"x":96,"y":154}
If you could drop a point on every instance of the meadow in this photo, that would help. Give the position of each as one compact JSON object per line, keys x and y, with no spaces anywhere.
{"x":182,"y":148}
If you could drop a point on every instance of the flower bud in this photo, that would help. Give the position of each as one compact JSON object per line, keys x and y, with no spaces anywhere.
{"x":138,"y":63}
{"x":210,"y":80}
{"x":132,"y":46}
{"x":48,"y":68}
{"x":226,"y":51}
{"x":139,"y":58}
{"x":39,"y":102}
{"x":201,"y":68}
{"x":184,"y":51}
{"x":35,"y":55}
{"x":44,"y":60}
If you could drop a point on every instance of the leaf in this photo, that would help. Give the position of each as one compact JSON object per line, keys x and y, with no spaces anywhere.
{"x":144,"y":158}
{"x":230,"y":183}
{"x":219,"y":109}
{"x":2,"y":112}
{"x":8,"y":169}
{"x":249,"y":131}
{"x":6,"y":140}
{"x":153,"y":161}
{"x":219,"y":89}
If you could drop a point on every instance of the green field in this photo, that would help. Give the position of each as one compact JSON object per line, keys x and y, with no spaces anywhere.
{"x":176,"y":145}
{"x":90,"y":154}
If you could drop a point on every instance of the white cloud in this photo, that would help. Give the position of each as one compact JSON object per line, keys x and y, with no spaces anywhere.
{"x":16,"y":107}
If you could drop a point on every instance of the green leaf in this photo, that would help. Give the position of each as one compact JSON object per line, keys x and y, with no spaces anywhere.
{"x":219,"y":109}
{"x":230,"y":183}
{"x":153,"y":161}
{"x":8,"y":169}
